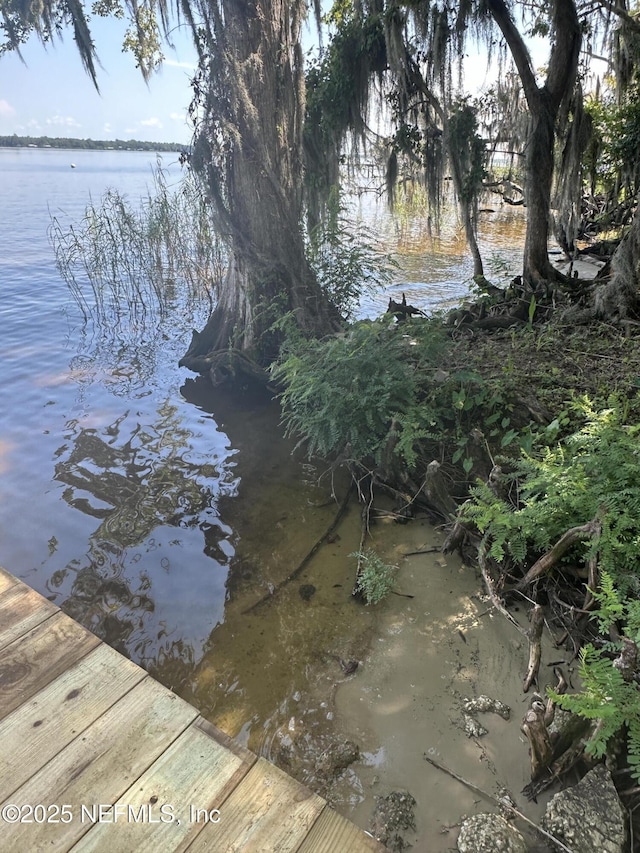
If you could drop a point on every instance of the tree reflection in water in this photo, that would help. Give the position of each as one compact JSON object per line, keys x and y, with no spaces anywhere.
{"x":152,"y":582}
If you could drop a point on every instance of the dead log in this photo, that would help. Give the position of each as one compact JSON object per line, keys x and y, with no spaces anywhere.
{"x":534,"y":635}
{"x":547,"y":561}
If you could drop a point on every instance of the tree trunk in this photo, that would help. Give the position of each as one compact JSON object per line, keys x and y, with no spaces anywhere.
{"x":617,"y":299}
{"x":248,"y":149}
{"x":539,"y":176}
{"x":544,"y":103}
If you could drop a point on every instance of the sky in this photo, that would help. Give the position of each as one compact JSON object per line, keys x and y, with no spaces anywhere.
{"x":50,"y":94}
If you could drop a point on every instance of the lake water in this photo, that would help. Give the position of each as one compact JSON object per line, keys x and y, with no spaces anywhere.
{"x":156,"y":510}
{"x":85,"y":423}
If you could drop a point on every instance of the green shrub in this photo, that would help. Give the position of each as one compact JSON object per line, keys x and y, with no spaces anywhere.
{"x":609,"y":699}
{"x":375,"y":578}
{"x":344,"y":395}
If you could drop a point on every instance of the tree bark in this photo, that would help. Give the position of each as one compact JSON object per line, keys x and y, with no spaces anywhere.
{"x":248,"y":150}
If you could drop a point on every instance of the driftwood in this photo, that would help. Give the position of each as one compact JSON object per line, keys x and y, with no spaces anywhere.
{"x":547,"y":561}
{"x":303,"y":563}
{"x":534,"y":635}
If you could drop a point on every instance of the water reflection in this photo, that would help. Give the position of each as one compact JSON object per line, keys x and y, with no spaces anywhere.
{"x":152,"y":581}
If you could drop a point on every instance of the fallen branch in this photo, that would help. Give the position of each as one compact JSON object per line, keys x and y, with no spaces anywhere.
{"x":294,"y":574}
{"x":501,"y":803}
{"x":547,"y":561}
{"x":534,"y":635}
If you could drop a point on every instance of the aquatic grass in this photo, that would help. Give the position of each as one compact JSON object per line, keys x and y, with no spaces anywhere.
{"x":127,"y":263}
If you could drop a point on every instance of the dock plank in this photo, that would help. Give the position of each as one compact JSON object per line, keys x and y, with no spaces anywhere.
{"x":268,"y":811}
{"x":6,"y":580}
{"x":21,"y":609}
{"x":36,"y":731}
{"x":100,"y":765}
{"x":333,"y":832}
{"x":195,"y":773}
{"x":39,"y":657}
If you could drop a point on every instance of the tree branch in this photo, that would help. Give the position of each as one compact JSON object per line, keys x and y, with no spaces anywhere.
{"x":519,"y":50}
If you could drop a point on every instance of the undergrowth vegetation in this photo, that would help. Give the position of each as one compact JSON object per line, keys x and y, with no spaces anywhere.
{"x":591,"y":477}
{"x":380,"y":387}
{"x":344,"y":395}
{"x":593,"y":473}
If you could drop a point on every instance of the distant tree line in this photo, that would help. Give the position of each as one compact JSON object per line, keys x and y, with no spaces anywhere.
{"x":16,"y":141}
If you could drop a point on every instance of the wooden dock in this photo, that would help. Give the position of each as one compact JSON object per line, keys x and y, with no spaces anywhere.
{"x":96,"y":755}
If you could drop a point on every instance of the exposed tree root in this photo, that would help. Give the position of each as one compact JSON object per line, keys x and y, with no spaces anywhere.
{"x":547,"y":561}
{"x":535,"y":729}
{"x":493,"y":595}
{"x":534,"y":635}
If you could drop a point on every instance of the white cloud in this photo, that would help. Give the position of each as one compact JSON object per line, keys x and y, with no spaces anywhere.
{"x":62,"y":121}
{"x":6,"y":110}
{"x":151,"y":122}
{"x":173,"y":63}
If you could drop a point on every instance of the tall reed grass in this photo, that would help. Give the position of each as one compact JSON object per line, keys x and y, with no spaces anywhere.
{"x":127,"y":262}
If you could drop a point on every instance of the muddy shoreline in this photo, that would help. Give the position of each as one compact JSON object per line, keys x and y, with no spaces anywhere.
{"x":427,"y":655}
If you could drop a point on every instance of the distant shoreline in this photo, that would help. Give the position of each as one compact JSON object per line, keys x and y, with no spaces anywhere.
{"x":70,"y":144}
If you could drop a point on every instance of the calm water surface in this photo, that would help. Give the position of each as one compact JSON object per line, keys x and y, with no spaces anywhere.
{"x":155,"y":510}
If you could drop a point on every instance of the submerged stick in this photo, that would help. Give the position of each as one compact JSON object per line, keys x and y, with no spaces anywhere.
{"x":497,"y":802}
{"x":435,"y":550}
{"x":356,"y":592}
{"x":294,"y":574}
